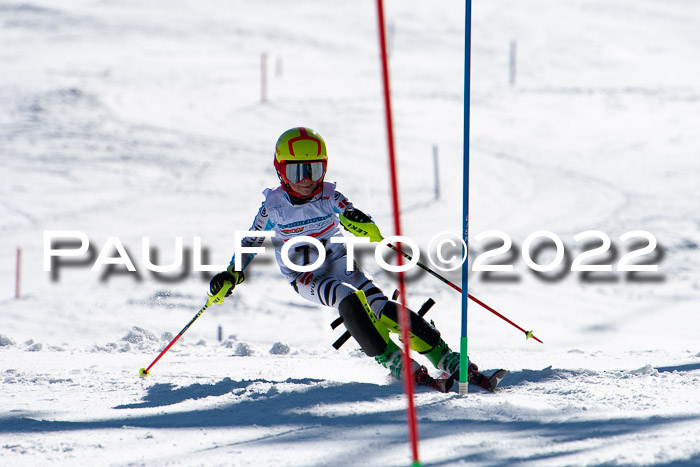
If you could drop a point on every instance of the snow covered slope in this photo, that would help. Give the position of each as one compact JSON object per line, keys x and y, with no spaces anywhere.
{"x":127,"y":120}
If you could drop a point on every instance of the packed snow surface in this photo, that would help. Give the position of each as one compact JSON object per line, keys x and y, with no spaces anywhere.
{"x":138,"y":123}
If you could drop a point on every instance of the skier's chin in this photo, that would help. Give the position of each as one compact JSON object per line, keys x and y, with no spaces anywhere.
{"x":304,"y":189}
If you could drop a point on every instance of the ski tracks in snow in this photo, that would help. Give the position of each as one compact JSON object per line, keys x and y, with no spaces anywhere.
{"x":204,"y":402}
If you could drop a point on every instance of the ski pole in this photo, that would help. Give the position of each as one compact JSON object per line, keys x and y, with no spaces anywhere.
{"x":371,"y":231}
{"x":528,"y":334}
{"x":212,"y":299}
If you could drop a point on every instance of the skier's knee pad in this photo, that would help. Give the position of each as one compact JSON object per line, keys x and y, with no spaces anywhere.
{"x":424,"y":336}
{"x":362,"y":324}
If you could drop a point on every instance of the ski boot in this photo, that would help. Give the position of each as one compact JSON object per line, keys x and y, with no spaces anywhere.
{"x":394,"y":361}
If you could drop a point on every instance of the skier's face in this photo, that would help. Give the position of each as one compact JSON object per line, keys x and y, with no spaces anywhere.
{"x":304,"y":187}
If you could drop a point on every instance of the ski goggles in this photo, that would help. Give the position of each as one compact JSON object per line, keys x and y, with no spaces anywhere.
{"x":297,"y":172}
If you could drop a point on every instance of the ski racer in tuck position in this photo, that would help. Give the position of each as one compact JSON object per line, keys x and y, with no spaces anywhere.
{"x":305,"y":204}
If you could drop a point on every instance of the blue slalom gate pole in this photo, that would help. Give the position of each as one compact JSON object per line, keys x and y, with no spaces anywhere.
{"x":464,"y":355}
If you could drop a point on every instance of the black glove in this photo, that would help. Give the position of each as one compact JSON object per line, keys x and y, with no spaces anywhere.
{"x":217,"y":282}
{"x":355,"y":215}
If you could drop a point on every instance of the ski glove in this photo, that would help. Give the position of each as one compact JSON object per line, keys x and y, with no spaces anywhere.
{"x":360,"y":224}
{"x":217,"y":282}
{"x":355,"y":215}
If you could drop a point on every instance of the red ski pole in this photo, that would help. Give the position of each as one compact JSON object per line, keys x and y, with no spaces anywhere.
{"x":371,"y":231}
{"x":218,"y":299}
{"x":528,"y":334}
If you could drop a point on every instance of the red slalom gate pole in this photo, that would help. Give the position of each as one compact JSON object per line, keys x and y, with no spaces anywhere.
{"x":404,"y":321}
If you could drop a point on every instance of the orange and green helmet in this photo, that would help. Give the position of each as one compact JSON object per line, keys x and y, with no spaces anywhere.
{"x":300,"y":153}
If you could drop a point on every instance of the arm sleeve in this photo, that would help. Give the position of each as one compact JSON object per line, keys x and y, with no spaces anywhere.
{"x":343,"y":206}
{"x":340,"y":203}
{"x":262,"y":222}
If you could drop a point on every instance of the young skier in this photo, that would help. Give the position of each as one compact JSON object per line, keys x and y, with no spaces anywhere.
{"x":304,"y":204}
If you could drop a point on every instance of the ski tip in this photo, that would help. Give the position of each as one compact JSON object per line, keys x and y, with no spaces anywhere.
{"x":439,"y":385}
{"x":496,"y":378}
{"x":143,"y":373}
{"x":451,"y":379}
{"x":444,"y":383}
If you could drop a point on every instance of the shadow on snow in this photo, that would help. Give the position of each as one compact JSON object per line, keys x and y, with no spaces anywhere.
{"x":300,"y":405}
